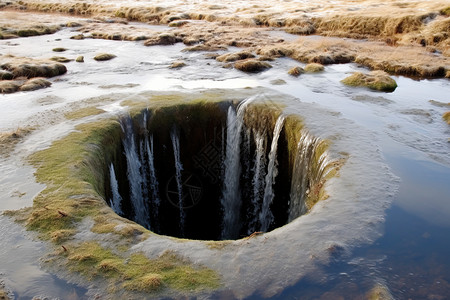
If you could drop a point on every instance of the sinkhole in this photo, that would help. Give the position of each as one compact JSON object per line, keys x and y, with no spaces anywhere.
{"x":213,"y":170}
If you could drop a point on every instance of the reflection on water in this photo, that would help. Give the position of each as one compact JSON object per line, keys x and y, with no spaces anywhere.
{"x":20,"y":268}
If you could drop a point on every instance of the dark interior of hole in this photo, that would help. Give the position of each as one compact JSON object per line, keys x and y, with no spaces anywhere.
{"x":202,"y":130}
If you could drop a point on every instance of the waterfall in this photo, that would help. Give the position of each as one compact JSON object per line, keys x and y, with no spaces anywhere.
{"x":116,"y":200}
{"x":134,"y":173}
{"x":305,"y":173}
{"x":258,"y":179}
{"x":231,"y":201}
{"x":266,"y":216}
{"x":178,"y":168}
{"x":154,"y":187}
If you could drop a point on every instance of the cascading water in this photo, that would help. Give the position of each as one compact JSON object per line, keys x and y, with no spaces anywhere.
{"x":258,"y":180}
{"x":174,"y":136}
{"x":231,"y":200}
{"x":266,"y":216}
{"x":116,"y":199}
{"x":217,"y":186}
{"x":154,"y":188}
{"x":134,"y":173}
{"x":306,"y":173}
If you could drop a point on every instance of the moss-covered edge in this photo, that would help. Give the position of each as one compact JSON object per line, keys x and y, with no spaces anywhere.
{"x":72,"y":170}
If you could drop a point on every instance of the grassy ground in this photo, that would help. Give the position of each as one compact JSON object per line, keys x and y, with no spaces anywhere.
{"x":408,"y":38}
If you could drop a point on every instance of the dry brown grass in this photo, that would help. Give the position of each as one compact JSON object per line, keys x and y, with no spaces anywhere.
{"x":230,"y":57}
{"x":314,"y":68}
{"x":401,"y":60}
{"x":29,"y":68}
{"x":446,"y":117}
{"x":9,"y":86}
{"x":407,"y":25}
{"x":296,"y":71}
{"x":252,"y":66}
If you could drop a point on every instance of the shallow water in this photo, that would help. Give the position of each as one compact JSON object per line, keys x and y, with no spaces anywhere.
{"x":408,"y":252}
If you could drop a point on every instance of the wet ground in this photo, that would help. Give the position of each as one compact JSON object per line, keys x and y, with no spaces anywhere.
{"x":411,"y":255}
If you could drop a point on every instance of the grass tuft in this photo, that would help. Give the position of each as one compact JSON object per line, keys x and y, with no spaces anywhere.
{"x":375,"y":80}
{"x":446,"y":117}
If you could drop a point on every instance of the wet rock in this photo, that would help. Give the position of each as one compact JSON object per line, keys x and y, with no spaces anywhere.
{"x":375,"y":80}
{"x":314,"y":68}
{"x":59,"y":49}
{"x":80,"y":59}
{"x":252,"y":66}
{"x":35,"y":84}
{"x":104,"y":56}
{"x":278,"y":82}
{"x":296,"y":71}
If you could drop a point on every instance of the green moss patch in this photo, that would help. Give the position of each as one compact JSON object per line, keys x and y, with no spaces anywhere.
{"x":73,"y":171}
{"x":137,"y":272}
{"x":83,"y":112}
{"x":104,"y":56}
{"x":59,"y":49}
{"x":375,"y":80}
